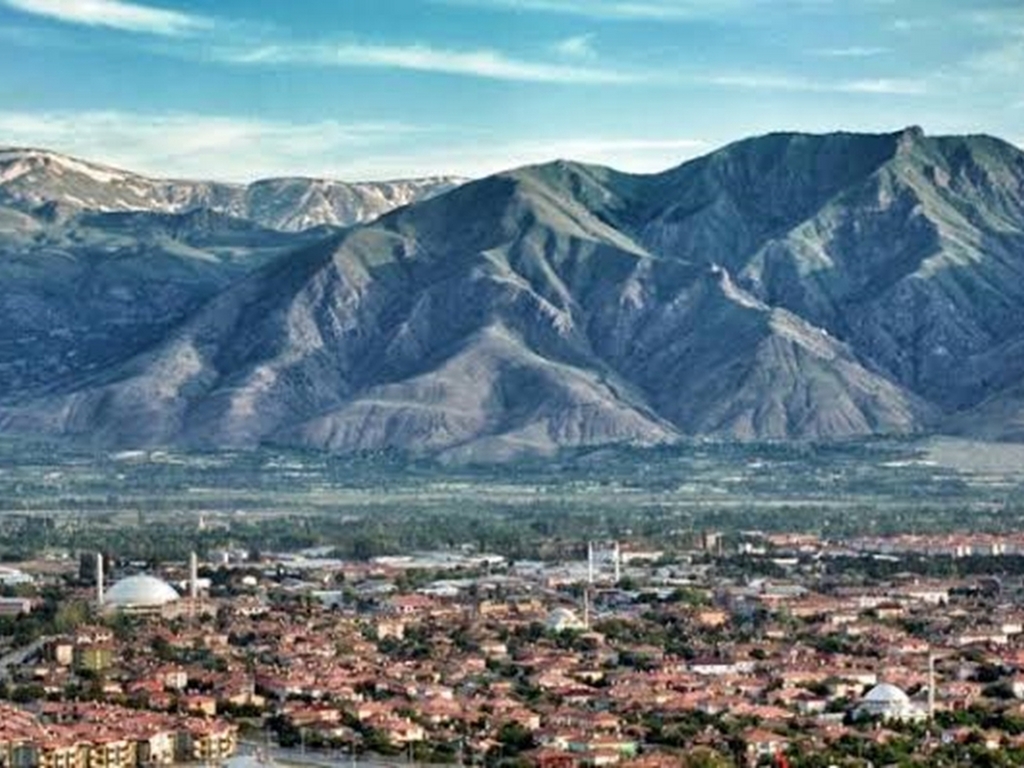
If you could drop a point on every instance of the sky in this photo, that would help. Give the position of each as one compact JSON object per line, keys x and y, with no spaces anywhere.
{"x":375,"y":89}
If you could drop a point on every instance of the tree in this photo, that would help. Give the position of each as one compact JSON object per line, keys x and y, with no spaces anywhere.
{"x":704,"y":758}
{"x":70,"y":616}
{"x":377,"y":741}
{"x":287,"y":734}
{"x":515,"y":739}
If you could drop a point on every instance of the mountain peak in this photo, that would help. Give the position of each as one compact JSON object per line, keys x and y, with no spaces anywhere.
{"x":792,"y":286}
{"x":32,"y":177}
{"x":20,"y":161}
{"x":908,"y":137}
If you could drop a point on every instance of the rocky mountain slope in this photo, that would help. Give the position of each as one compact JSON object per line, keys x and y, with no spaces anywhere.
{"x":97,"y":263}
{"x":31,"y":177}
{"x":80,"y":291}
{"x":785,"y":287}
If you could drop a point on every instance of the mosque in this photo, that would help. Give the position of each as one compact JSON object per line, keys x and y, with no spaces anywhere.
{"x":891,"y":704}
{"x":146,"y":594}
{"x":139,"y":594}
{"x":563,"y":619}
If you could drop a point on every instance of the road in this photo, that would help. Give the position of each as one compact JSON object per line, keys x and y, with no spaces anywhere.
{"x":247,"y":751}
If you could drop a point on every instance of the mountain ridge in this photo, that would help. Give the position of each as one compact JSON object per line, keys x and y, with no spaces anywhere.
{"x":792,"y":286}
{"x":290,"y":203}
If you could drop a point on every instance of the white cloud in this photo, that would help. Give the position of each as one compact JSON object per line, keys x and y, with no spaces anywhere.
{"x":636,"y":155}
{"x":243,"y":149}
{"x":576,"y":47}
{"x":1004,"y":60}
{"x":200,"y":146}
{"x":481,"y":63}
{"x":497,"y":66}
{"x":759,"y":82}
{"x":1003,"y":23}
{"x":909,"y":25}
{"x":851,"y":52}
{"x":650,"y":10}
{"x":883,"y":86}
{"x":601,"y":150}
{"x":115,"y":14}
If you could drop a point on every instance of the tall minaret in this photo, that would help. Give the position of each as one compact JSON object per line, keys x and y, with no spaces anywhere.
{"x":99,"y":579}
{"x":590,"y":562}
{"x":193,"y":577}
{"x":931,"y":687}
{"x":617,"y":556}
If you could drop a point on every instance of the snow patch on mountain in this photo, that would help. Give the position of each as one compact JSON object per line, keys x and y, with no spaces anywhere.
{"x":33,"y":177}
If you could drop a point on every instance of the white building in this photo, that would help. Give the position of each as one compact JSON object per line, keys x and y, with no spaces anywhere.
{"x":562,"y":619}
{"x":889,"y":702}
{"x":12,"y":577}
{"x":139,"y":594}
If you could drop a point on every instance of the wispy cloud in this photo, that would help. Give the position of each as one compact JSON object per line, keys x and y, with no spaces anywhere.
{"x":576,"y":47}
{"x":650,"y":10}
{"x":243,"y":149}
{"x":495,"y":65}
{"x":583,"y":149}
{"x":475,"y":158}
{"x":1005,"y":57}
{"x":114,"y":14}
{"x":881,"y":86}
{"x":235,"y":49}
{"x":202,"y":146}
{"x":482,"y":63}
{"x":852,"y":52}
{"x":884,"y":85}
{"x":909,"y":25}
{"x":1006,"y":22}
{"x":1005,"y":60}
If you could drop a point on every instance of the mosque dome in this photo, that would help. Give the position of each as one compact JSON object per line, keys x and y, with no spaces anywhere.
{"x":889,"y":703}
{"x":140,"y":592}
{"x":885,"y":693}
{"x":561,"y":619}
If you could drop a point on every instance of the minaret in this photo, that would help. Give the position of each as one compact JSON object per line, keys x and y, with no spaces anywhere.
{"x":617,"y":557}
{"x":590,"y":562}
{"x":99,"y":580}
{"x":193,"y":577}
{"x":931,"y":687}
{"x":586,"y":607}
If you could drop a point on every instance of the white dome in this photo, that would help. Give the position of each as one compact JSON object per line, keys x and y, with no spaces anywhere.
{"x":140,"y":592}
{"x":885,"y":693}
{"x":563,"y":618}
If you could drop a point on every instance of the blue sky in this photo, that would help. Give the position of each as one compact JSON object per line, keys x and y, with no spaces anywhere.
{"x":359,"y":89}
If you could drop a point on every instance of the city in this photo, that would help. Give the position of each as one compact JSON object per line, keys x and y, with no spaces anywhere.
{"x":748,"y":649}
{"x":511,"y":383}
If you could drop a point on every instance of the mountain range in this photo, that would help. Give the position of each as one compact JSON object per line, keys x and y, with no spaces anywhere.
{"x":33,"y":177}
{"x":789,"y":286}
